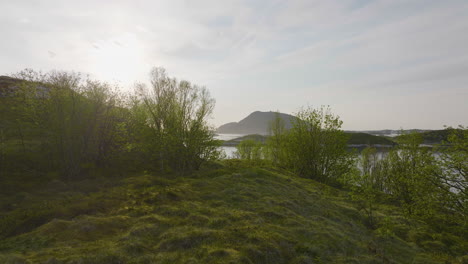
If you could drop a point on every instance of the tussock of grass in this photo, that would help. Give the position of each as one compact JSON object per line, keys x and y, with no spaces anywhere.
{"x":229,"y":213}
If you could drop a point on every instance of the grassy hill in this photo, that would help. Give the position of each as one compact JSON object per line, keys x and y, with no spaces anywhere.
{"x":227,"y":213}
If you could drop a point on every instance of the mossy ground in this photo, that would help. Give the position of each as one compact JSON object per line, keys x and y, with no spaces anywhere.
{"x":228,"y":213}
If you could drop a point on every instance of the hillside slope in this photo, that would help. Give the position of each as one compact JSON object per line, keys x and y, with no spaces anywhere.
{"x":255,"y":123}
{"x":225,"y":214}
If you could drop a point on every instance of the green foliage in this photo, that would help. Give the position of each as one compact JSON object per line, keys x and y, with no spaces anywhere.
{"x":365,"y":183}
{"x":249,"y":150}
{"x":410,"y":180}
{"x":316,"y":147}
{"x":62,"y":122}
{"x":385,"y":229}
{"x":70,"y":122}
{"x":277,"y":142}
{"x":169,"y":122}
{"x":453,"y":176}
{"x":428,"y":185}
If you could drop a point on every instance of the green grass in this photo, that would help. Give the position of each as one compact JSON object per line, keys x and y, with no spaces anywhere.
{"x":227,"y":213}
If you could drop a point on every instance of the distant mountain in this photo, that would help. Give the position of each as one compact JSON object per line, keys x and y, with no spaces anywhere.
{"x":255,"y":123}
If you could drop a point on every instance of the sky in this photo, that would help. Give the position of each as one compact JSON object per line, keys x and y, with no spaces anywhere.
{"x":377,"y":63}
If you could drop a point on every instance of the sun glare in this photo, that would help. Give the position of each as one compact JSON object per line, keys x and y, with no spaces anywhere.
{"x":118,"y":59}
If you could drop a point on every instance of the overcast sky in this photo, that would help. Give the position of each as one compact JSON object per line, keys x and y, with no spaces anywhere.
{"x":378,"y":64}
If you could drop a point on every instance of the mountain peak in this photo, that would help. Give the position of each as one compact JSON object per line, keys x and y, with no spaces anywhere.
{"x":255,"y":123}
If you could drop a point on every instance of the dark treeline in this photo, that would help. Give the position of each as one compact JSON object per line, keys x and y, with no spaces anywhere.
{"x":64,"y":125}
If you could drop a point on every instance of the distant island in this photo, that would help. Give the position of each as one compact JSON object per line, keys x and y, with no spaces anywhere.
{"x":256,"y":125}
{"x":356,"y":140}
{"x":389,"y":132}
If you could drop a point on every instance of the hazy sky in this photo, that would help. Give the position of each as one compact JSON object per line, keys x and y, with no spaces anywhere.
{"x":378,"y":64}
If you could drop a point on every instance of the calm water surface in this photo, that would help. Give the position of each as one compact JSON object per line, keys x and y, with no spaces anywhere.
{"x":229,"y":150}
